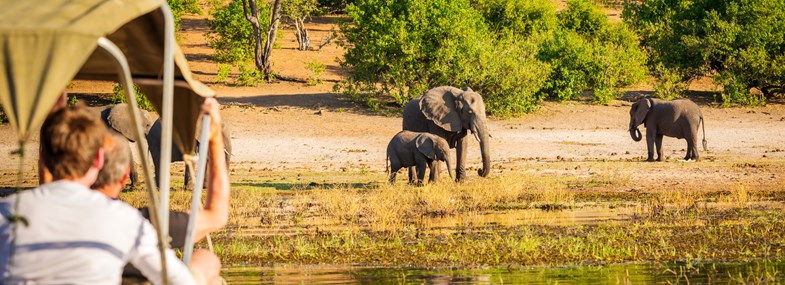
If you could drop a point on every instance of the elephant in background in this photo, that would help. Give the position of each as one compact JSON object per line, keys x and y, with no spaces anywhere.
{"x":154,"y":141}
{"x":678,"y":118}
{"x":407,"y":149}
{"x":118,"y":119}
{"x":452,"y":113}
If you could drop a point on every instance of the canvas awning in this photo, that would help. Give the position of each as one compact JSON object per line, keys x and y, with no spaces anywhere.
{"x":44,"y":44}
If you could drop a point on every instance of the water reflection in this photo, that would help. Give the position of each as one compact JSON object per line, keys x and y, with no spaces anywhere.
{"x":752,"y":272}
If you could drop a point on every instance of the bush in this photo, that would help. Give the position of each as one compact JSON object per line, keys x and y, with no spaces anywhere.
{"x":406,"y":47}
{"x":589,"y":53}
{"x":3,"y":116}
{"x":249,"y":76}
{"x":317,"y":68}
{"x":524,"y":18}
{"x":180,"y":7}
{"x":118,"y":97}
{"x":231,"y":35}
{"x":739,"y":43}
{"x":514,"y":52}
{"x":668,"y":85}
{"x":224,"y":70}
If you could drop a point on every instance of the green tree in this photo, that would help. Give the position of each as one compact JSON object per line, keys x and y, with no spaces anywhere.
{"x":588,"y":52}
{"x":231,"y":35}
{"x":740,"y":43}
{"x":299,"y":11}
{"x":180,"y":7}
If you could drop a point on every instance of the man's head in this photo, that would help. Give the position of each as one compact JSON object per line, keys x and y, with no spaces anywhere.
{"x":114,"y":174}
{"x":72,"y":142}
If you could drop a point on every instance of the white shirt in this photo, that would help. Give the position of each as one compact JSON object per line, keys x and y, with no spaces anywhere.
{"x":79,"y":236}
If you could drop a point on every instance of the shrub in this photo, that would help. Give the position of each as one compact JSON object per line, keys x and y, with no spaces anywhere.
{"x":511,"y":76}
{"x":514,"y":52}
{"x":231,"y":35}
{"x":668,"y":85}
{"x":519,"y":17}
{"x":118,"y":97}
{"x":224,"y":70}
{"x":316,"y":68}
{"x":180,"y":7}
{"x":405,"y":47}
{"x":3,"y":116}
{"x":249,"y":76}
{"x":740,"y":43}
{"x":588,"y":52}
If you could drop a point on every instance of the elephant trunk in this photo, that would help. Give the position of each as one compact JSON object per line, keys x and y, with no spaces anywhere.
{"x":635,"y":133}
{"x":484,"y":138}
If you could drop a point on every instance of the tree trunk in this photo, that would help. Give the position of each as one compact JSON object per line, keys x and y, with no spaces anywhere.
{"x":252,"y":15}
{"x":275,"y":19}
{"x":302,"y":34}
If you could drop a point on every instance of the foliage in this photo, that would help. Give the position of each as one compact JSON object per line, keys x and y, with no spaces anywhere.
{"x":224,"y":70}
{"x":739,"y":43}
{"x":231,"y":35}
{"x":514,"y":52}
{"x":317,"y":68}
{"x":180,"y":7}
{"x":299,"y":9}
{"x":249,"y":76}
{"x":668,"y":85}
{"x":334,"y":6}
{"x":72,"y":100}
{"x":511,"y":76}
{"x":587,"y":52}
{"x":118,"y":97}
{"x":520,"y":17}
{"x":3,"y":116}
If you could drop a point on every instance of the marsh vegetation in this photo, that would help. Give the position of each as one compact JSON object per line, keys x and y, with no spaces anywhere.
{"x":514,"y":219}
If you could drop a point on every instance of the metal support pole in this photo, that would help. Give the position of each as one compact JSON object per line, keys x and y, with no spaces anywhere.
{"x":196,"y":199}
{"x":166,"y":119}
{"x":124,"y":73}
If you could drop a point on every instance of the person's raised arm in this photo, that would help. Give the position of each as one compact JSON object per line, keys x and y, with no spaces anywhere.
{"x":216,"y":209}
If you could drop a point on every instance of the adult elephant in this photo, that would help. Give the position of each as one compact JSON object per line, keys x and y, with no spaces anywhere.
{"x":452,"y":113}
{"x":154,"y":142}
{"x":680,"y":118}
{"x":117,"y":119}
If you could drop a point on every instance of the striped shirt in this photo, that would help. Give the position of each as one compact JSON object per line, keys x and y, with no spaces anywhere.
{"x":79,"y":236}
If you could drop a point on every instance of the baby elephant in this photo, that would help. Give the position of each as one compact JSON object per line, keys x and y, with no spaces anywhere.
{"x":678,"y":118}
{"x":407,"y":149}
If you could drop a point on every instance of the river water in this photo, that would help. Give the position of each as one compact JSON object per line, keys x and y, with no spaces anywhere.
{"x":750,"y":272}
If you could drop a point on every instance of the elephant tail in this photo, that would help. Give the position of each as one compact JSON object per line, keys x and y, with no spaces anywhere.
{"x":704,"y":134}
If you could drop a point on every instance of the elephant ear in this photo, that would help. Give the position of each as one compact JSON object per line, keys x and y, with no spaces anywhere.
{"x":425,"y":145}
{"x":438,"y":106}
{"x":119,"y":120}
{"x":644,"y":106}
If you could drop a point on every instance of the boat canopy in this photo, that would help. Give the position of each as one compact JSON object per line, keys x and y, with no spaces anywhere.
{"x":44,"y":44}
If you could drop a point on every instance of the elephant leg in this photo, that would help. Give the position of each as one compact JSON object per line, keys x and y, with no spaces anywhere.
{"x":412,"y":175}
{"x":394,"y":167}
{"x":691,"y":149}
{"x":187,"y":179}
{"x":650,"y":137}
{"x":434,"y":173}
{"x":134,"y":175}
{"x":658,"y":143}
{"x":460,"y":158}
{"x":421,"y":164}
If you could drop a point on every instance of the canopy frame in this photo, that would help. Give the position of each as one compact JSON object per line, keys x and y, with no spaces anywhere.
{"x":124,"y":74}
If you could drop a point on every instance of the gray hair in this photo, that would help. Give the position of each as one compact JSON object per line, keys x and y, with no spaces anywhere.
{"x":117,"y":158}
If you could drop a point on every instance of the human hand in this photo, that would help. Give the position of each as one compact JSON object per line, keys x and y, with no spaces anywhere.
{"x":212,"y":108}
